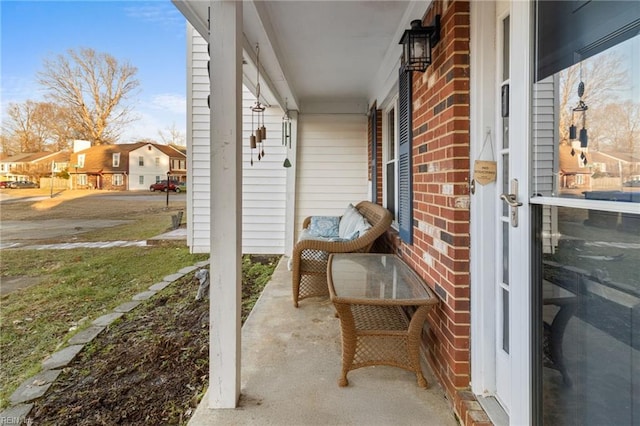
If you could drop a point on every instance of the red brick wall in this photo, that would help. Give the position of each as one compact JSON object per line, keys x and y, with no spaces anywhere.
{"x":440,"y":249}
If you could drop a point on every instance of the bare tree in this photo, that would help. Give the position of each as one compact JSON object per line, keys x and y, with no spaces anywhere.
{"x":172,"y":136}
{"x":94,"y":87}
{"x":23,"y":126}
{"x":38,"y":126}
{"x":8,"y":145}
{"x":63,"y":128}
{"x":617,"y":127}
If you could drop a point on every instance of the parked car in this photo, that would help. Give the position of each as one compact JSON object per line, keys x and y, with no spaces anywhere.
{"x":4,"y":183}
{"x":23,"y":184}
{"x":635,"y":182}
{"x":174,"y":185}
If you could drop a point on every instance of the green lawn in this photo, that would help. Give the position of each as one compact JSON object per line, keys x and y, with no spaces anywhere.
{"x":77,"y":287}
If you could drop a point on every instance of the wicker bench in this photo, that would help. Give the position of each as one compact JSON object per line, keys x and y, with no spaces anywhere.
{"x":309,"y":257}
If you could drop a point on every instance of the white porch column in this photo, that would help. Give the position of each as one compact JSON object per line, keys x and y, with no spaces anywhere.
{"x":225,"y":40}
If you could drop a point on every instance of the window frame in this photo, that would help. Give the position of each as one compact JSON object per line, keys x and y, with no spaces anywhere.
{"x":118,"y":179}
{"x":391,"y":106}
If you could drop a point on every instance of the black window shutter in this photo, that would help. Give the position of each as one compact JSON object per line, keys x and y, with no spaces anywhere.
{"x":405,"y":179}
{"x":374,"y":154}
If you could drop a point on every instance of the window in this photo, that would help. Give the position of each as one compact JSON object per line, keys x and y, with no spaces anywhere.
{"x":80,"y":161}
{"x":157,"y":161}
{"x":390,"y":158}
{"x":118,"y":179}
{"x":141,"y":161}
{"x":82,"y":180}
{"x":115,"y":159}
{"x":141,"y":180}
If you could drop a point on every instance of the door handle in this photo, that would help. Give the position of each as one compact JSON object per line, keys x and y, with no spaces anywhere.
{"x":511,"y":199}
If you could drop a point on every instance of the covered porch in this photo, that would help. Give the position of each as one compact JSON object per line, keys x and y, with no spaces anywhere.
{"x":291,"y":365}
{"x":334,"y":68}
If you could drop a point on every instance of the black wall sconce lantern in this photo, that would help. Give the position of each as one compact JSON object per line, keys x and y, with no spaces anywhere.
{"x":417,"y":44}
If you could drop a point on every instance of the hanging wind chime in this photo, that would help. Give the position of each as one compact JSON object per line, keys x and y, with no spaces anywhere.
{"x":286,"y":133}
{"x":581,"y":108}
{"x":257,"y":113}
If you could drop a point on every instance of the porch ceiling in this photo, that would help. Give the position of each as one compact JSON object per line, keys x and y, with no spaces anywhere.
{"x":320,"y":51}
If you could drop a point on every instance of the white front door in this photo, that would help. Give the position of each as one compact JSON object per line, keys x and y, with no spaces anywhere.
{"x":503,"y":219}
{"x":513,"y":343}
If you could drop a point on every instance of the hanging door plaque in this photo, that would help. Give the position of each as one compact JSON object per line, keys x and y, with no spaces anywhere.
{"x":484,"y":172}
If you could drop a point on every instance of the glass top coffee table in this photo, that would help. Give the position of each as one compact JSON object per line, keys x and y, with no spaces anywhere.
{"x":369,"y":292}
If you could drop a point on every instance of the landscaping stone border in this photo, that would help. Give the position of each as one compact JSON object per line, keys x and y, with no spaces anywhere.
{"x":36,"y":386}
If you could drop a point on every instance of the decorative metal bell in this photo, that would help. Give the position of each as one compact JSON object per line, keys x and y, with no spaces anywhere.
{"x":584,"y":139}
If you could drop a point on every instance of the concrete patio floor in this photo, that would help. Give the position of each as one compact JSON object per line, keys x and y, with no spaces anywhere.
{"x":291,"y":361}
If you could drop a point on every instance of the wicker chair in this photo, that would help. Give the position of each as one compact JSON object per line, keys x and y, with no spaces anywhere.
{"x":309,"y":257}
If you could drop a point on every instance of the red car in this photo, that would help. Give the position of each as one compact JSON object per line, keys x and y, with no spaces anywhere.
{"x":174,"y":185}
{"x":4,"y":184}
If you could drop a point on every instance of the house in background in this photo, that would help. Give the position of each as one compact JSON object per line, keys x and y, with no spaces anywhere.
{"x":576,"y":167}
{"x":33,"y":166}
{"x":517,"y":328}
{"x":617,"y":163}
{"x":123,"y":167}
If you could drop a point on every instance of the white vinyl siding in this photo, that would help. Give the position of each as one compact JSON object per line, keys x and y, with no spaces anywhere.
{"x":264,"y":184}
{"x":198,"y":193}
{"x":545,"y":115}
{"x":332,"y":164}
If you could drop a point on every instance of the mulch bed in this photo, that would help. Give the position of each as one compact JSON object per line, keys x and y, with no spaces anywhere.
{"x":150,"y":367}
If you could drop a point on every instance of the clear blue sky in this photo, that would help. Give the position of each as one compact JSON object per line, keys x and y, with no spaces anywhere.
{"x":150,"y":35}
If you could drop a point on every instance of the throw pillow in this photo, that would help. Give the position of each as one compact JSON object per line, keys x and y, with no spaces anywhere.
{"x":352,"y":224}
{"x":324,"y":226}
